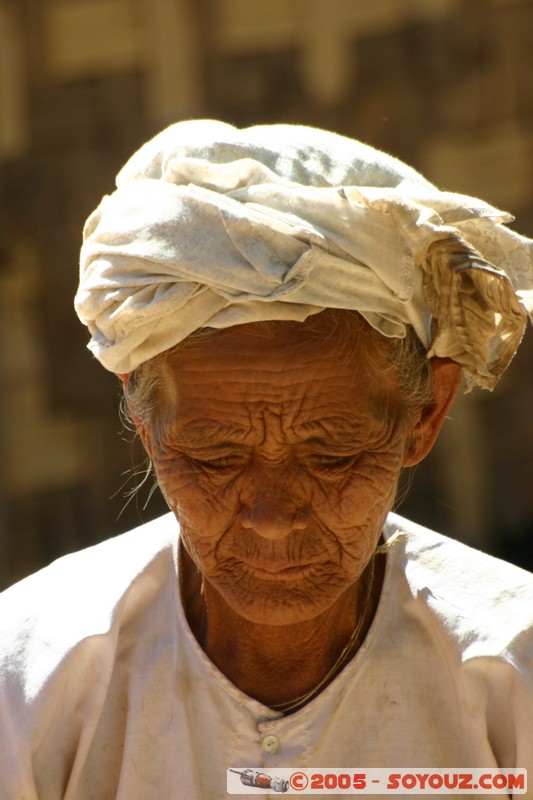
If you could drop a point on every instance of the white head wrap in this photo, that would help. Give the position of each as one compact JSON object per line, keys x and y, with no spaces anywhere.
{"x":212,"y":226}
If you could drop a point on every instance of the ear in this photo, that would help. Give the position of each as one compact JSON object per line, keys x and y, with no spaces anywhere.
{"x":428,"y":421}
{"x":137,"y":421}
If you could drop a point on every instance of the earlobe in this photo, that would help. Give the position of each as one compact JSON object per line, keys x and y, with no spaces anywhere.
{"x":429,"y":420}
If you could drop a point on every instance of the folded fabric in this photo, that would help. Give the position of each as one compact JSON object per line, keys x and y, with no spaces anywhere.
{"x":212,"y":226}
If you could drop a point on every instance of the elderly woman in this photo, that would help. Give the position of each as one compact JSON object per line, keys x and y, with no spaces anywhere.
{"x":290,"y":313}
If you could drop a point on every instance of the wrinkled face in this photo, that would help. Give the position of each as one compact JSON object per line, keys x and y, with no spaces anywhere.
{"x":280,"y":455}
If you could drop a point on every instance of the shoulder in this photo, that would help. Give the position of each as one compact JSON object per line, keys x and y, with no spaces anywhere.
{"x":86,"y":594}
{"x":104,"y":569}
{"x":484,"y":603}
{"x":71,"y":637}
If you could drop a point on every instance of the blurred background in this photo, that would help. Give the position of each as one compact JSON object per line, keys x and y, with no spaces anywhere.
{"x":446,"y":85}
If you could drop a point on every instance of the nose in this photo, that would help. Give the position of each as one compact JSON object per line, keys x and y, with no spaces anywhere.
{"x":274,"y":513}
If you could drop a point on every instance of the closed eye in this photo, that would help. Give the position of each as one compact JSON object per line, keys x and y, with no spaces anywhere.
{"x":219,"y":464}
{"x":330,"y":463}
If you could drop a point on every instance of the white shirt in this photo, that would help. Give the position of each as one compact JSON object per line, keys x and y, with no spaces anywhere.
{"x":105,"y":693}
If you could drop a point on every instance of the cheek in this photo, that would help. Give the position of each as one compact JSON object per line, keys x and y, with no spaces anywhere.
{"x":203,"y":508}
{"x":355,"y":511}
{"x":367,"y":493}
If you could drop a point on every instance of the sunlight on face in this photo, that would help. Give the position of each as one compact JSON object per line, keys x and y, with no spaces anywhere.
{"x":279,"y":453}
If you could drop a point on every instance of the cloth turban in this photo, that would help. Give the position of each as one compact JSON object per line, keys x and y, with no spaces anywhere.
{"x":211,"y":226}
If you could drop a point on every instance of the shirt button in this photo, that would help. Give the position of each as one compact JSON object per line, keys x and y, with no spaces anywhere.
{"x":271,"y":744}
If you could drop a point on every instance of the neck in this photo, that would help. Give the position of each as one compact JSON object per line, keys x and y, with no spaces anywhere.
{"x":277,"y":663}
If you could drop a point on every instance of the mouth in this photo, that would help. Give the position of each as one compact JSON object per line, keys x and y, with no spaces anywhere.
{"x":280,"y":571}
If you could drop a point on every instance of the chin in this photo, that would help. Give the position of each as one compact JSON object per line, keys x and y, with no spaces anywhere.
{"x":278,"y":606}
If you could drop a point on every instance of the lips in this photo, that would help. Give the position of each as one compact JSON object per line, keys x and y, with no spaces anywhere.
{"x":281,"y":570}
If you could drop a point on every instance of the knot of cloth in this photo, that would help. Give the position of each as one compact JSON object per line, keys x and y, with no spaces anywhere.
{"x":211,"y":226}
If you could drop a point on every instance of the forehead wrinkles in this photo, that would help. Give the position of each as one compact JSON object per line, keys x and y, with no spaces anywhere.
{"x":316,"y":380}
{"x":243,"y":406}
{"x":244,"y":380}
{"x":238,"y":378}
{"x":322,"y":410}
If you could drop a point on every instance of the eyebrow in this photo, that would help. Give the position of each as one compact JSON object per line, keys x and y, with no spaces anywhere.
{"x":327,"y":429}
{"x":213,"y":435}
{"x":206,"y":436}
{"x":340,"y":443}
{"x":214,"y":447}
